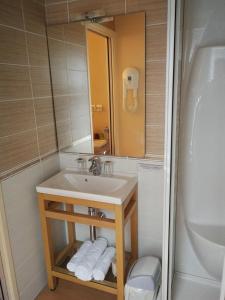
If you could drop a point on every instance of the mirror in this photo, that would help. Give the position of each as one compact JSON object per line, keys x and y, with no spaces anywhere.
{"x":98,"y":82}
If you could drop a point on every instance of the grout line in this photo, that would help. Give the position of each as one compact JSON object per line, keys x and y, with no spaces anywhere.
{"x":66,"y":42}
{"x":32,"y":92}
{"x":68,"y":12}
{"x":17,"y":133}
{"x":46,"y":125}
{"x":150,"y":94}
{"x":155,"y":60}
{"x":12,"y":100}
{"x":23,"y":30}
{"x":155,"y":24}
{"x":24,"y":99}
{"x":153,"y":125}
{"x":19,"y":168}
{"x":55,"y":3}
{"x":28,"y":65}
{"x":43,"y":97}
{"x":62,"y":121}
{"x":52,"y":92}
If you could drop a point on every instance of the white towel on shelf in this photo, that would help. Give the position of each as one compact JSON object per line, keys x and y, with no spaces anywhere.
{"x":77,"y":257}
{"x":103,"y":264}
{"x":84,"y":270}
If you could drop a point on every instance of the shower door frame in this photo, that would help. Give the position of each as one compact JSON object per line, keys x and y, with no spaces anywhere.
{"x":173,"y":84}
{"x":170,"y":156}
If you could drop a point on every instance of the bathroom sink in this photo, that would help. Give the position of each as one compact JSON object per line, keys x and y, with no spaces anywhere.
{"x":69,"y":183}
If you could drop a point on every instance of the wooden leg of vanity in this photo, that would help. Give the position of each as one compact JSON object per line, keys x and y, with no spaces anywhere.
{"x":48,"y":246}
{"x":134,"y":233}
{"x":70,"y":226}
{"x":120,"y":254}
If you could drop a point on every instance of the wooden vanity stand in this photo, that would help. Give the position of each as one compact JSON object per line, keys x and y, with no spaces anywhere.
{"x":62,"y":208}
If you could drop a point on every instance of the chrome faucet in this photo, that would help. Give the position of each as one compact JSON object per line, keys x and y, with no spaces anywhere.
{"x":95,"y":167}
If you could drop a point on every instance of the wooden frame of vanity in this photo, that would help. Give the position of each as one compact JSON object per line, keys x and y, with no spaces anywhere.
{"x":51,"y":209}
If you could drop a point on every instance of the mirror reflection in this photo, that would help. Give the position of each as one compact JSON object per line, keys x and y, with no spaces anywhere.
{"x":98,"y":80}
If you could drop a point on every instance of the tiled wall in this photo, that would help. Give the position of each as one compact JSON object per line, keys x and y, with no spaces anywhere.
{"x":24,"y":229}
{"x":67,"y":53}
{"x":59,"y":12}
{"x":27,"y":130}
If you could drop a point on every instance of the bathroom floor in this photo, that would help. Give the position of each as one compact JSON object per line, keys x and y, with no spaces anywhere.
{"x":69,"y":291}
{"x":186,"y":289}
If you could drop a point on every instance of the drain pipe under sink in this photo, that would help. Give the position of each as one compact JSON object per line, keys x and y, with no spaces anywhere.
{"x":94,"y":212}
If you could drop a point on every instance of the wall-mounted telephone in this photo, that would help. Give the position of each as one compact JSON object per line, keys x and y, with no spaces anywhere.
{"x":130,"y":82}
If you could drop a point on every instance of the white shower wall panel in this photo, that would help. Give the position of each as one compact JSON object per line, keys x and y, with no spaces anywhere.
{"x":202,"y":127}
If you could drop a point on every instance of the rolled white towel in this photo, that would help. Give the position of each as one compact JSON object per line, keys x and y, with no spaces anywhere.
{"x":84,"y":270}
{"x":77,"y":257}
{"x":103,"y":264}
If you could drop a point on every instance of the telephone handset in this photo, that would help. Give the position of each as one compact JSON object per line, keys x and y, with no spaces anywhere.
{"x":130,"y":82}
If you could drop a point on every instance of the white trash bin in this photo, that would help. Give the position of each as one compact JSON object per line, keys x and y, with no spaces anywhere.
{"x":144,"y":279}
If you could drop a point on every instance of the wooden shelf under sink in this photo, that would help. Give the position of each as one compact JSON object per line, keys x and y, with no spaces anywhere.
{"x":60,"y":269}
{"x":55,"y":207}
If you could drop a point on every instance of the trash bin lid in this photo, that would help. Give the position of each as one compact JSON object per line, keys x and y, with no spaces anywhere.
{"x":145,"y":273}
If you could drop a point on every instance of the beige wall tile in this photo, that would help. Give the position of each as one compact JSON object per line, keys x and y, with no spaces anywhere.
{"x":11,"y":13}
{"x":17,"y":149}
{"x":76,"y":82}
{"x":155,"y":78}
{"x":47,"y":139}
{"x":38,"y":51}
{"x":12,"y":46}
{"x":47,"y":2}
{"x":111,"y":7}
{"x":40,"y":81}
{"x":156,"y":10}
{"x":62,"y":108}
{"x":34,"y":16}
{"x":79,"y":104}
{"x":75,"y":33}
{"x":16,"y":116}
{"x":64,"y":134}
{"x":57,"y":14}
{"x":85,"y":127}
{"x":44,"y":111}
{"x":156,"y":42}
{"x":80,"y":127}
{"x":56,"y":32}
{"x":42,"y":2}
{"x":57,"y":53}
{"x":18,"y":134}
{"x":60,"y":84}
{"x":155,"y":109}
{"x":76,"y":57}
{"x":154,"y":140}
{"x":14,"y":82}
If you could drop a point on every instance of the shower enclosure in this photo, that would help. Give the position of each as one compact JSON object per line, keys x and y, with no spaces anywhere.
{"x":202,"y":160}
{"x":197,"y":249}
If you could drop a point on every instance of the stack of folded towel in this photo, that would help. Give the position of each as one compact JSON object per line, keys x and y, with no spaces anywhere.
{"x":92,"y":260}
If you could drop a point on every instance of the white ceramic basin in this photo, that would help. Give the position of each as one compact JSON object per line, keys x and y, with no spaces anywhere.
{"x":69,"y":183}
